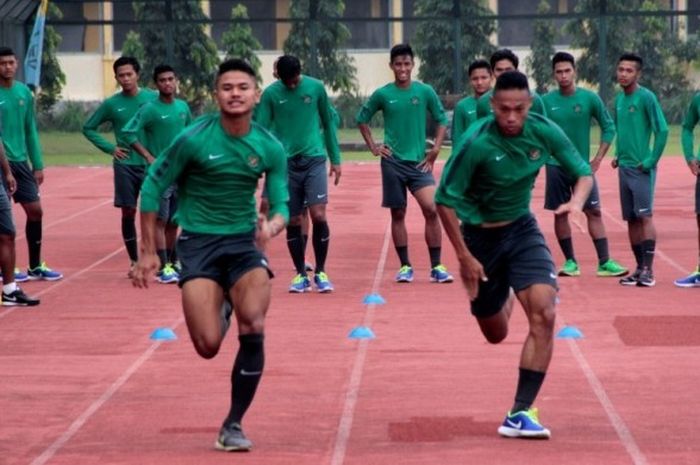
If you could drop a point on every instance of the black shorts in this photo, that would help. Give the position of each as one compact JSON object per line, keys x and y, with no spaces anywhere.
{"x":513,"y":256}
{"x":127,"y":184}
{"x":168,"y":204}
{"x":399,"y":175}
{"x":697,"y":195}
{"x":636,"y":192}
{"x":308,"y":182}
{"x":223,"y":259}
{"x":560,"y":186}
{"x":7,"y":224}
{"x":27,"y":187}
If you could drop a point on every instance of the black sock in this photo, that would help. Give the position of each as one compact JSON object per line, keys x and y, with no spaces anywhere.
{"x":649,"y":247}
{"x":403,"y":255}
{"x":305,"y":238}
{"x":129,"y":236}
{"x":33,"y":232}
{"x":638,"y":254}
{"x":295,"y":244}
{"x":434,"y":256}
{"x":171,"y":254}
{"x":246,"y":374}
{"x":321,"y":239}
{"x":529,"y":383}
{"x":567,"y":248}
{"x":163,"y":257}
{"x":601,"y":249}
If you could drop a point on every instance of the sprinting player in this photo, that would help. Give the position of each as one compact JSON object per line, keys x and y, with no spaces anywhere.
{"x":480,"y":78}
{"x":217,"y":162}
{"x":12,"y":295}
{"x":501,"y":61}
{"x":159,"y":121}
{"x":691,"y":119}
{"x":21,"y":141}
{"x":487,"y":186}
{"x":638,"y":115}
{"x":296,"y":109}
{"x":405,"y":163}
{"x":128,"y":164}
{"x":572,"y":108}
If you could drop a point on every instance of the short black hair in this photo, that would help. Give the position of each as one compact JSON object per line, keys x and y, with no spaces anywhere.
{"x":562,"y":57}
{"x":126,"y":60}
{"x":479,"y":64}
{"x":511,"y":80}
{"x":288,"y":67}
{"x":400,"y":50}
{"x":6,"y":52}
{"x":630,"y":56}
{"x":504,"y":54}
{"x":160,"y":69}
{"x":236,"y":64}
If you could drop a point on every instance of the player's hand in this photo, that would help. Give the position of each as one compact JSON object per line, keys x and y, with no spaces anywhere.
{"x":426,"y":165}
{"x":614,"y":163}
{"x":694,"y":166}
{"x":576,"y":215}
{"x":595,"y":164}
{"x":11,"y":183}
{"x":472,"y":273}
{"x":39,"y":176}
{"x":150,"y":159}
{"x":381,"y":150}
{"x":120,"y":153}
{"x":337,"y":171}
{"x":263,"y":232}
{"x":145,"y":269}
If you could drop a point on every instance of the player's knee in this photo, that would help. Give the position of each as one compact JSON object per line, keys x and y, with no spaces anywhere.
{"x":206,"y":347}
{"x":430,"y":213}
{"x":496,"y":336}
{"x":128,"y":212}
{"x":398,"y":214}
{"x":542,"y":319}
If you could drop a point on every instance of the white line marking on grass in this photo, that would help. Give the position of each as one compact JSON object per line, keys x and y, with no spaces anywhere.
{"x":345,"y":426}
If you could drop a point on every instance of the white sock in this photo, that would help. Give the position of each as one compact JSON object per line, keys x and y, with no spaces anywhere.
{"x":9,"y":288}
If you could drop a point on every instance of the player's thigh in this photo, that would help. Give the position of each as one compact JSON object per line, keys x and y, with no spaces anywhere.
{"x":27,"y":191}
{"x":127,"y":184}
{"x":168,"y":205}
{"x":394,"y":194}
{"x":421,"y":185}
{"x":316,"y":182}
{"x":593,"y":200}
{"x":295,"y":184}
{"x":558,"y":187}
{"x":201,"y":304}
{"x":251,"y":299}
{"x":643,"y":193}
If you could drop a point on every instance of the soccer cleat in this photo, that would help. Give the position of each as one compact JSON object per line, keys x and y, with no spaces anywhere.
{"x":439,"y":274}
{"x":300,"y":284}
{"x":405,"y":274}
{"x":18,"y":298}
{"x":646,"y":278}
{"x":632,"y":279}
{"x":323,"y":284}
{"x":692,"y":280}
{"x":611,"y":268}
{"x":523,"y":424}
{"x":168,"y":275}
{"x":43,"y":272}
{"x":570,"y":268}
{"x":232,"y":439}
{"x":20,"y":276}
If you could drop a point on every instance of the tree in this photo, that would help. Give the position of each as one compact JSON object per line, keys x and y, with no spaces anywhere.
{"x":52,"y":78}
{"x":239,"y":42}
{"x":435,"y":42}
{"x":539,"y":62}
{"x":318,"y":43}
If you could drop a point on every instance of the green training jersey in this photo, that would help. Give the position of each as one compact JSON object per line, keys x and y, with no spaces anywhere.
{"x":300,"y":118}
{"x":118,"y":110}
{"x":159,"y":122}
{"x":692,"y":116}
{"x":490,"y":178}
{"x":483,"y":105}
{"x":217,"y":176}
{"x":405,"y":112}
{"x":637,"y":116}
{"x":573,"y":114}
{"x":463,"y":116}
{"x":19,"y":133}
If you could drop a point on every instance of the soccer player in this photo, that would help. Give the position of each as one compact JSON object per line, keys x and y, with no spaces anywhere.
{"x":480,"y":77}
{"x":638,"y":115}
{"x":217,"y":162}
{"x":296,"y":109}
{"x":689,"y":122}
{"x":158,"y":122}
{"x":487,"y":186}
{"x":501,"y":61}
{"x":405,"y":163}
{"x":21,"y":141}
{"x":572,"y":108}
{"x":128,"y":164}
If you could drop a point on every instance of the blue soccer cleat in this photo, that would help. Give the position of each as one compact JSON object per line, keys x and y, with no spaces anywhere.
{"x":523,"y":424}
{"x":300,"y":284}
{"x":692,"y":280}
{"x":405,"y":274}
{"x":42,"y":272}
{"x":168,"y":275}
{"x":439,"y":274}
{"x":323,"y":284}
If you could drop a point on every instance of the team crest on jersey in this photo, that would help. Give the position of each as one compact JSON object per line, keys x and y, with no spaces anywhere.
{"x":306,"y":99}
{"x":534,"y":154}
{"x":577,"y":108}
{"x":414,"y":100}
{"x":253,"y":160}
{"x":632,"y":109}
{"x":21,"y":102}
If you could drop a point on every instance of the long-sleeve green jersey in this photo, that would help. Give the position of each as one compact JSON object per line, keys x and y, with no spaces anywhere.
{"x":217,"y":175}
{"x":692,"y":116}
{"x":490,"y":178}
{"x":573,"y":114}
{"x":483,"y":105}
{"x":301,"y":118}
{"x":19,"y":133}
{"x":637,"y":116}
{"x":405,"y":111}
{"x":118,"y":110}
{"x":159,"y":122}
{"x":463,"y":116}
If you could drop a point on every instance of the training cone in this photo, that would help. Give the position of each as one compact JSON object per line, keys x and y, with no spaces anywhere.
{"x":375,"y":299}
{"x":569,"y":332}
{"x":163,"y":334}
{"x":361,"y":332}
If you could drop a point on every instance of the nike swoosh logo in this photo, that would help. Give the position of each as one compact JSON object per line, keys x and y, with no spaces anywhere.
{"x":393,"y":101}
{"x":320,"y":196}
{"x":555,"y":108}
{"x":595,"y":202}
{"x":283,"y":101}
{"x":471,"y":111}
{"x":165,"y":116}
{"x":552,"y":275}
{"x":514,"y":424}
{"x":2,"y":102}
{"x":325,"y":239}
{"x":641,"y":210}
{"x":500,"y":157}
{"x":214,"y":157}
{"x":250,"y":373}
{"x":120,"y":109}
{"x":184,"y":238}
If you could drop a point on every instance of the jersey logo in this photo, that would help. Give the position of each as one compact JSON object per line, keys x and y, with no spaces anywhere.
{"x":120,"y":109}
{"x":414,"y":100}
{"x":282,"y":101}
{"x":393,"y":101}
{"x":215,"y":157}
{"x":306,"y":99}
{"x":21,"y":102}
{"x":164,"y":116}
{"x":534,"y":154}
{"x":554,"y":108}
{"x":253,"y":160}
{"x":500,"y":157}
{"x":577,"y":108}
{"x":632,"y":109}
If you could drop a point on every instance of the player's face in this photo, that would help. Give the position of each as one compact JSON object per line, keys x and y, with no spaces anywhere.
{"x":480,"y":79}
{"x":501,"y":66}
{"x":402,"y":66}
{"x":510,"y":108}
{"x":236,"y":93}
{"x":292,"y":83}
{"x":627,"y":73}
{"x":8,"y":67}
{"x":166,"y":83}
{"x":127,"y":77}
{"x":564,"y":74}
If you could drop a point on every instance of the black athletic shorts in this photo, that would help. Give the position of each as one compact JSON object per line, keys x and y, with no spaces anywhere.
{"x":636,"y":192}
{"x":308,"y":182}
{"x":399,"y":175}
{"x":513,"y":256}
{"x":560,"y":186}
{"x":223,"y":259}
{"x":127,"y":184}
{"x":7,"y":224}
{"x":168,"y":204}
{"x":27,"y":187}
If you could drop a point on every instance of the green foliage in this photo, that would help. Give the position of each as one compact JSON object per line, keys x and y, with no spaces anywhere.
{"x":52,"y":78}
{"x":239,"y":42}
{"x":134,"y":48}
{"x":329,"y":63}
{"x":435,"y":42}
{"x":348,"y":105}
{"x":67,"y":115}
{"x":540,"y":60}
